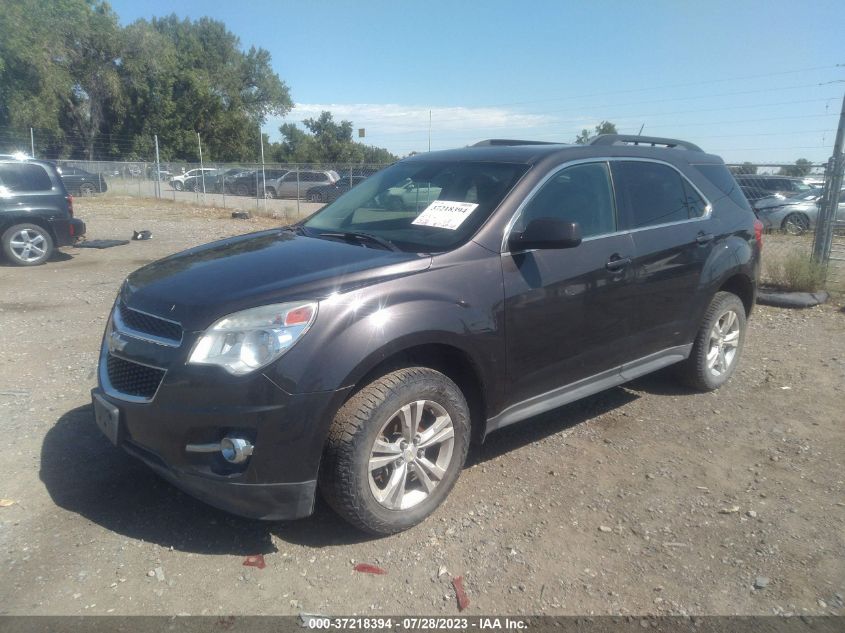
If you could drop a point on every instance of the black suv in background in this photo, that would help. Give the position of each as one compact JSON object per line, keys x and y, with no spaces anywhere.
{"x":82,"y":183}
{"x":360,"y":350}
{"x":756,"y":187}
{"x":36,"y":212}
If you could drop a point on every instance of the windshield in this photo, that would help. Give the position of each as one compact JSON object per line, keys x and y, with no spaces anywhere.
{"x":420,"y":206}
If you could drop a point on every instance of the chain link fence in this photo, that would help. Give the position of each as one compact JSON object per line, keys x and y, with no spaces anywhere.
{"x":789,"y":209}
{"x":291,"y":191}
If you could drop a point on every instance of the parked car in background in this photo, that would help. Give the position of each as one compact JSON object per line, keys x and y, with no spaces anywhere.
{"x":82,"y":183}
{"x":178,"y":182}
{"x":797,"y":217}
{"x":755,"y":187}
{"x":331,"y":192}
{"x":779,"y":199}
{"x":296,"y":183}
{"x":360,"y":351}
{"x":409,"y":195}
{"x":248,"y":183}
{"x":36,"y":212}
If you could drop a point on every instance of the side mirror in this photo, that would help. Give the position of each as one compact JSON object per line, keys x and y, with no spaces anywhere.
{"x":546,"y":233}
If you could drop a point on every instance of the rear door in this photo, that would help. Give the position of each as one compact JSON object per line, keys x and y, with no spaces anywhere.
{"x":674,"y":234}
{"x":567,"y":311}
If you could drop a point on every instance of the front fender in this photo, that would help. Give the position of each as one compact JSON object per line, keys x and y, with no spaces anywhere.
{"x":456,"y":302}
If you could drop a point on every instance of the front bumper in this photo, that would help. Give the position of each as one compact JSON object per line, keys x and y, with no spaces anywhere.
{"x":277,"y":482}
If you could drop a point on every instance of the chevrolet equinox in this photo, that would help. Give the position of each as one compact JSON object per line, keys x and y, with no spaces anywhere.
{"x":454,"y":293}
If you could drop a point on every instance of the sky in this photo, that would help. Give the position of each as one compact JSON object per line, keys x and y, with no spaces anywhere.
{"x":759,"y":81}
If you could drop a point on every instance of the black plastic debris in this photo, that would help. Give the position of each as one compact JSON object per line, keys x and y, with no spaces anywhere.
{"x":101,"y":243}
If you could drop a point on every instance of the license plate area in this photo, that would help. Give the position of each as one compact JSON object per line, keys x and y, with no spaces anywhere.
{"x":107,"y":417}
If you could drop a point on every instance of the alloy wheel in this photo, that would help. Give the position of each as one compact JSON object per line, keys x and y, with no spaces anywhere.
{"x":724,"y":342}
{"x":411,"y":454}
{"x":28,"y":245}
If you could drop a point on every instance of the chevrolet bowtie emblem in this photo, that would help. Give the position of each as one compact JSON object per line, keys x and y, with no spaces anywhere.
{"x":116,"y":342}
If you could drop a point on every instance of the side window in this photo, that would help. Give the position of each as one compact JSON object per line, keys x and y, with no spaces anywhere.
{"x":25,"y":177}
{"x":725,"y":182}
{"x":582,"y":194}
{"x":696,"y":206}
{"x":653,"y":193}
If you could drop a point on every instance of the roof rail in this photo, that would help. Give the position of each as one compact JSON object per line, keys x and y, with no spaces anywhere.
{"x":505,"y":141}
{"x":630,"y":139}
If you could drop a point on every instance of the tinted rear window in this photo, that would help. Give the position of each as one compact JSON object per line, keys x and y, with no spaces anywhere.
{"x":24,"y":177}
{"x":724,"y":180}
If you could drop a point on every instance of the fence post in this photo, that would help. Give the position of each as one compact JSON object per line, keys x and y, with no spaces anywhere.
{"x":298,"y":214}
{"x":823,"y":237}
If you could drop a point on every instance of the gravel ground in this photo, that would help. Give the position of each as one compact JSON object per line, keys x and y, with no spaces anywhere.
{"x":646,"y":499}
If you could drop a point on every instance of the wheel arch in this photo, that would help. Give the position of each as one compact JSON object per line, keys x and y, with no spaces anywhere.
{"x":7,"y":223}
{"x":742,"y":286}
{"x":452,"y":361}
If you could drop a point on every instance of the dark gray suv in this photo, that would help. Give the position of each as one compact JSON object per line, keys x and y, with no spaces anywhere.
{"x":36,"y":212}
{"x":359,"y":351}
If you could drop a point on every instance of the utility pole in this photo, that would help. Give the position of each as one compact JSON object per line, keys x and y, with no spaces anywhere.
{"x":263,"y":174}
{"x":32,"y":142}
{"x":830,"y":198}
{"x":158,"y":170}
{"x":202,"y":171}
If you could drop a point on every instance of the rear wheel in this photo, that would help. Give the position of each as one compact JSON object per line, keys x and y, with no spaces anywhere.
{"x":87,"y":190}
{"x":796,"y":224}
{"x":718,"y":344}
{"x":241,"y":190}
{"x":269,"y":193}
{"x":395,"y":450}
{"x":27,"y":244}
{"x":178,"y":186}
{"x":315,"y":196}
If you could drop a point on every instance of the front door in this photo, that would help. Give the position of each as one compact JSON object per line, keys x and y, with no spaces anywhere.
{"x":567,"y":311}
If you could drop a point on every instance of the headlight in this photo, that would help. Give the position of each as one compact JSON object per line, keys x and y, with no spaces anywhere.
{"x":245,"y":341}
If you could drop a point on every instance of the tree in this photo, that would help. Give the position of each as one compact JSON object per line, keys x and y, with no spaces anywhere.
{"x":745,"y":168}
{"x":605,"y":127}
{"x":800,"y":169}
{"x":91,"y":87}
{"x":325,"y":141}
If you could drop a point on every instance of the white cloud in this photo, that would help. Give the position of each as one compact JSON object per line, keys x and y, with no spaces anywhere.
{"x":402,"y":128}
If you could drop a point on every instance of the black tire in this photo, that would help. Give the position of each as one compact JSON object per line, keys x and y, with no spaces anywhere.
{"x":315,"y":196}
{"x":695,"y":371}
{"x":20,"y":256}
{"x":178,"y":186}
{"x":345,"y":481}
{"x":86,"y":190}
{"x":796,"y":224}
{"x":393,"y":203}
{"x":241,"y":190}
{"x":269,"y":193}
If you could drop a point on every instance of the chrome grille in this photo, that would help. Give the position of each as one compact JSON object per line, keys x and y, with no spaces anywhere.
{"x":133,"y":379}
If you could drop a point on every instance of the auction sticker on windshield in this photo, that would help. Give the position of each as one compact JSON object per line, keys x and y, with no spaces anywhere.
{"x":445,"y":214}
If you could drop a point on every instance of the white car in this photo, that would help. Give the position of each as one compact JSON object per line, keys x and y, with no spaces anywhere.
{"x":178,"y":182}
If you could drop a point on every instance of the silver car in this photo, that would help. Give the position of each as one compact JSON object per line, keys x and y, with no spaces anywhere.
{"x":296,"y":183}
{"x":796,"y":217}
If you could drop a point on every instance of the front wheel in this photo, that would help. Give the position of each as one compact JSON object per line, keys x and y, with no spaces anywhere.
{"x":395,"y":450}
{"x":796,"y":224}
{"x":86,"y":190}
{"x":315,"y":196}
{"x":178,"y":186}
{"x":718,"y":344}
{"x":27,"y":244}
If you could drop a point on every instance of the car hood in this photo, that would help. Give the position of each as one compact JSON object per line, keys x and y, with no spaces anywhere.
{"x":197,"y":286}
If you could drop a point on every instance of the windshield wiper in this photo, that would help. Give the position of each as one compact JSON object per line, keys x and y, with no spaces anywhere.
{"x":362,"y":237}
{"x":293,"y":228}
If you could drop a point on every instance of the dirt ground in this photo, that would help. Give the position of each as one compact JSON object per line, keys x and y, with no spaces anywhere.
{"x":645,"y":499}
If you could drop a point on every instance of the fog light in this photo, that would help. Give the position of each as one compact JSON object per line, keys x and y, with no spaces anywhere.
{"x":235,"y":450}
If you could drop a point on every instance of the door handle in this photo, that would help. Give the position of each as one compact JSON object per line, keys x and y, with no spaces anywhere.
{"x":704,"y":238}
{"x":616,"y":263}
